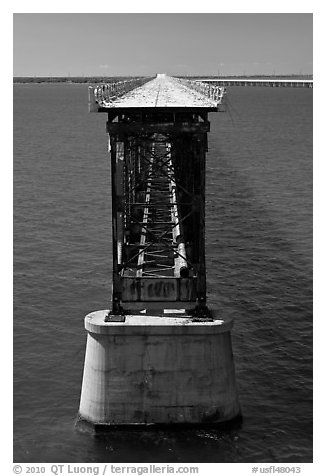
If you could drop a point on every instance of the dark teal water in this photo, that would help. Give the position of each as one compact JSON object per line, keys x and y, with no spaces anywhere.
{"x":259,"y":256}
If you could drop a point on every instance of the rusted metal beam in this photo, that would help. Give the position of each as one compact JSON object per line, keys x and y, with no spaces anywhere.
{"x":115,"y":127}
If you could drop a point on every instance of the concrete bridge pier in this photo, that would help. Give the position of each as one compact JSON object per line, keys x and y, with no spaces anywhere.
{"x":158,"y":370}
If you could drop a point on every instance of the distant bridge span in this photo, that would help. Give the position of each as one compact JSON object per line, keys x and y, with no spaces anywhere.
{"x":274,"y":83}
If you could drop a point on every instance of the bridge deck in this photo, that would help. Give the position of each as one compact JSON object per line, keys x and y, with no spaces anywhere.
{"x":163,"y":92}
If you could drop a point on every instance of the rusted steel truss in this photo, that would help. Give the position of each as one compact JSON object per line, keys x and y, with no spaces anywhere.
{"x":158,"y":207}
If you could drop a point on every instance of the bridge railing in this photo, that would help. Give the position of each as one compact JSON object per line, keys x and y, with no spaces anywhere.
{"x":212,"y":91}
{"x":105,"y":93}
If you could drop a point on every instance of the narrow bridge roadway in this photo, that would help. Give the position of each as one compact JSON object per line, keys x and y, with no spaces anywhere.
{"x":162,"y":91}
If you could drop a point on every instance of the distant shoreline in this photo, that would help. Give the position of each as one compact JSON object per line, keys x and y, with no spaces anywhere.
{"x":102,"y":79}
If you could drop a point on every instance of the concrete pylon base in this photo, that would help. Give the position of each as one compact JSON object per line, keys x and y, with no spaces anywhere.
{"x":158,"y":370}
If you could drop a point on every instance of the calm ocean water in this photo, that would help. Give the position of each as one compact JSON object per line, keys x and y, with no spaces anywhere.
{"x":259,"y":255}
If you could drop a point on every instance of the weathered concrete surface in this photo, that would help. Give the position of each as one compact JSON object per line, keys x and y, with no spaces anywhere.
{"x":158,"y":370}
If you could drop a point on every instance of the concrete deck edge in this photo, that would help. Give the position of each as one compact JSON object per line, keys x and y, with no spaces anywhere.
{"x":142,"y":324}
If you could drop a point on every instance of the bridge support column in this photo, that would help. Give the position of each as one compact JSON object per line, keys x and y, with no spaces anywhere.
{"x":157,"y":370}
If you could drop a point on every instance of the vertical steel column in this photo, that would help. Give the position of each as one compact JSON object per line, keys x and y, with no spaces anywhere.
{"x":199,"y":149}
{"x":117,"y":181}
